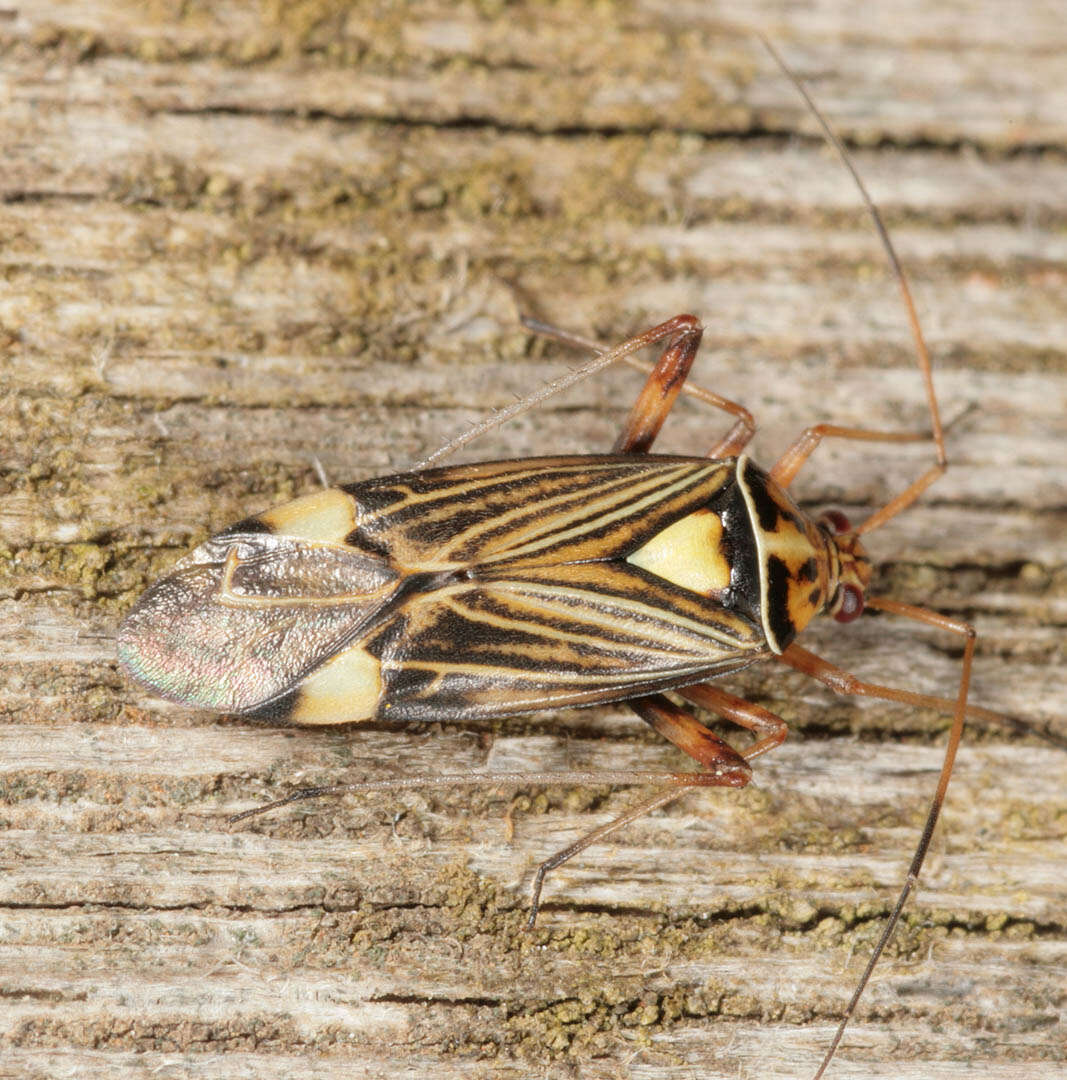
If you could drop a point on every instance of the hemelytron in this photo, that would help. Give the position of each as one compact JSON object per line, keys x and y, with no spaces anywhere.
{"x":515,"y":586}
{"x":492,"y":589}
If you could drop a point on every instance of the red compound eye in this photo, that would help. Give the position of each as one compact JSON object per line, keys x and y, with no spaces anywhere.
{"x":851,"y":605}
{"x":837,"y":521}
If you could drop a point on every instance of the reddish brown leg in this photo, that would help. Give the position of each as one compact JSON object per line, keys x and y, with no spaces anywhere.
{"x":844,"y":683}
{"x":666,"y":379}
{"x":661,"y":798}
{"x":680,"y":780}
{"x":788,"y":465}
{"x":726,"y":766}
{"x":661,"y":389}
{"x":682,"y":728}
{"x":769,"y":728}
{"x":723,"y":767}
{"x":678,"y":327}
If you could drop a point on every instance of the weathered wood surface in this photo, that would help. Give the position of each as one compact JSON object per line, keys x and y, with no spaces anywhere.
{"x":253,"y":240}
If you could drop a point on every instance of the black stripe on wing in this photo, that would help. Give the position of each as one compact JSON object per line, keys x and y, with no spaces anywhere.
{"x":532,"y":512}
{"x":554,"y":636}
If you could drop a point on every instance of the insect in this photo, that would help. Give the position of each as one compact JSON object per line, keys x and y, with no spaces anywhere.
{"x":514,"y":586}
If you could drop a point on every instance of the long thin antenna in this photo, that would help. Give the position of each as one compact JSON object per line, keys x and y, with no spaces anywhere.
{"x":894,"y":506}
{"x":883,"y":234}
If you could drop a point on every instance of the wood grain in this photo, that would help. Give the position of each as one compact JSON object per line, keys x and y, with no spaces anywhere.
{"x":243,"y":243}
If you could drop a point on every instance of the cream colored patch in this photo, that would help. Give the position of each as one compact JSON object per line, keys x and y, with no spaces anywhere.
{"x":688,"y":553}
{"x":327,"y":516}
{"x":344,"y":690}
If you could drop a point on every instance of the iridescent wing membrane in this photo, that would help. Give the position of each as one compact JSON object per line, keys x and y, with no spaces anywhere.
{"x":477,"y":590}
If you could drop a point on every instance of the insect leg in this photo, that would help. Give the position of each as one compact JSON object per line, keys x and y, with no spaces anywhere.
{"x":660,"y":391}
{"x":665,"y":381}
{"x":770,"y":728}
{"x":661,"y":376}
{"x":679,"y":326}
{"x":680,"y":727}
{"x":646,"y":806}
{"x":487,"y":780}
{"x":726,"y":766}
{"x":845,"y":683}
{"x":841,"y":682}
{"x":790,"y":462}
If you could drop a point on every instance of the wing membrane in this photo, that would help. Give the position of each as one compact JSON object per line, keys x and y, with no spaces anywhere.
{"x":243,"y":618}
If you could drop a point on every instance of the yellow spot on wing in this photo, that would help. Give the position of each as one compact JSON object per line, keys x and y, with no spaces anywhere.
{"x":344,"y":690}
{"x":688,"y":553}
{"x":327,"y":516}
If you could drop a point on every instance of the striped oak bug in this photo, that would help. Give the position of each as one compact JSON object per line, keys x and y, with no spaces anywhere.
{"x":514,"y":586}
